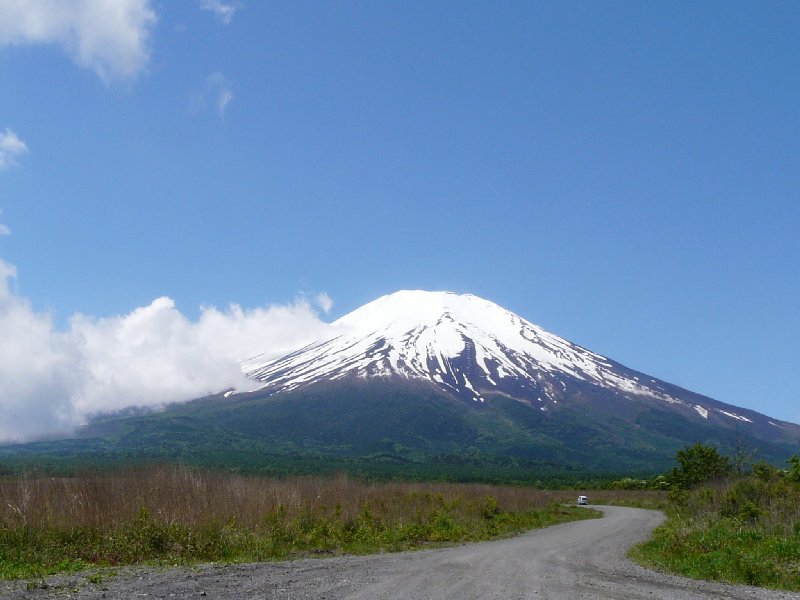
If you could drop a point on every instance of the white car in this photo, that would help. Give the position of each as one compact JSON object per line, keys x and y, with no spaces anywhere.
{"x":583,"y":500}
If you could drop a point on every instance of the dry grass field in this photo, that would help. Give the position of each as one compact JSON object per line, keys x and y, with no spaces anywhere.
{"x":176,"y":514}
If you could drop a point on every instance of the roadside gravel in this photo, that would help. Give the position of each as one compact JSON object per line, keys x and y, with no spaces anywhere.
{"x":581,"y":559}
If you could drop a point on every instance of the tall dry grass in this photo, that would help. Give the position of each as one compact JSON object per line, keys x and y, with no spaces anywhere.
{"x":174,"y":514}
{"x":180,"y":494}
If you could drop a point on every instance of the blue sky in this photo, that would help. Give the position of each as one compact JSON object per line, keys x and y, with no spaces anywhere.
{"x":623,"y":174}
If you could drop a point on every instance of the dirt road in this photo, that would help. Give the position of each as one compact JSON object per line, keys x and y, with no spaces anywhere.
{"x":583,"y":559}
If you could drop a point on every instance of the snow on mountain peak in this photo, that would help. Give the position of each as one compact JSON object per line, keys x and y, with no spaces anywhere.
{"x":399,"y":313}
{"x":464,"y":344}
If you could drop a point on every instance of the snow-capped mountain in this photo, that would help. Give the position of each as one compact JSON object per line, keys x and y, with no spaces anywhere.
{"x":446,"y":385}
{"x":470,"y":348}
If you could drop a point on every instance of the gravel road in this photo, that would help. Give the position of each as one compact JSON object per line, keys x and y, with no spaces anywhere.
{"x":582,"y":559}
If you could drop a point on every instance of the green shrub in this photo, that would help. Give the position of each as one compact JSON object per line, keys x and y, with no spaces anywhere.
{"x":794,"y":469}
{"x":745,"y":530}
{"x":698,"y":464}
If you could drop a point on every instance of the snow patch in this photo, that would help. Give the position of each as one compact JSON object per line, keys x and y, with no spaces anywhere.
{"x":734,"y":416}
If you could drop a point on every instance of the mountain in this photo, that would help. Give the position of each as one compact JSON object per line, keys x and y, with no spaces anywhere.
{"x":475,"y":350}
{"x":433,"y":384}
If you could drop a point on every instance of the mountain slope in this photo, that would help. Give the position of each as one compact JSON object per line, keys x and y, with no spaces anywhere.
{"x":473,"y":349}
{"x":393,"y":427}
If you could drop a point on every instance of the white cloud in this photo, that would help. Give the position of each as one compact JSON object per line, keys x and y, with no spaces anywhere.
{"x":223,"y":97}
{"x":223,"y":10}
{"x":52,"y":380}
{"x":37,"y":365}
{"x":111,"y":37}
{"x":11,"y":147}
{"x":4,"y":230}
{"x":7,"y":273}
{"x":216,"y":92}
{"x":324,"y":301}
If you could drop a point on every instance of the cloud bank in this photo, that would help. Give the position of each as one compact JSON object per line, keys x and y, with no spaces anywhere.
{"x":110,"y":37}
{"x":52,"y":380}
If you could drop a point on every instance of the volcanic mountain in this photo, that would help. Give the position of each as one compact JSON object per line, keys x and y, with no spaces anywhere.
{"x":475,"y":350}
{"x":435,"y":384}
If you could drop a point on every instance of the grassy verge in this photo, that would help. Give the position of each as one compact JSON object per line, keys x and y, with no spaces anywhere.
{"x":724,"y":551}
{"x":744,"y":531}
{"x":181,"y":516}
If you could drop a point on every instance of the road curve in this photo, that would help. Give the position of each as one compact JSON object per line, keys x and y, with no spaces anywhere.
{"x":582,"y":559}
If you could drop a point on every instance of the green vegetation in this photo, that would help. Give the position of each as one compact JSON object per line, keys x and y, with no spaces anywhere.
{"x":740,"y":529}
{"x":698,"y":464}
{"x":177,"y":515}
{"x":381,"y":430}
{"x":376,"y":467}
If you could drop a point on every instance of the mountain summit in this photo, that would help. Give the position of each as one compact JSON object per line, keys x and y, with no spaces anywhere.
{"x":473,"y":349}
